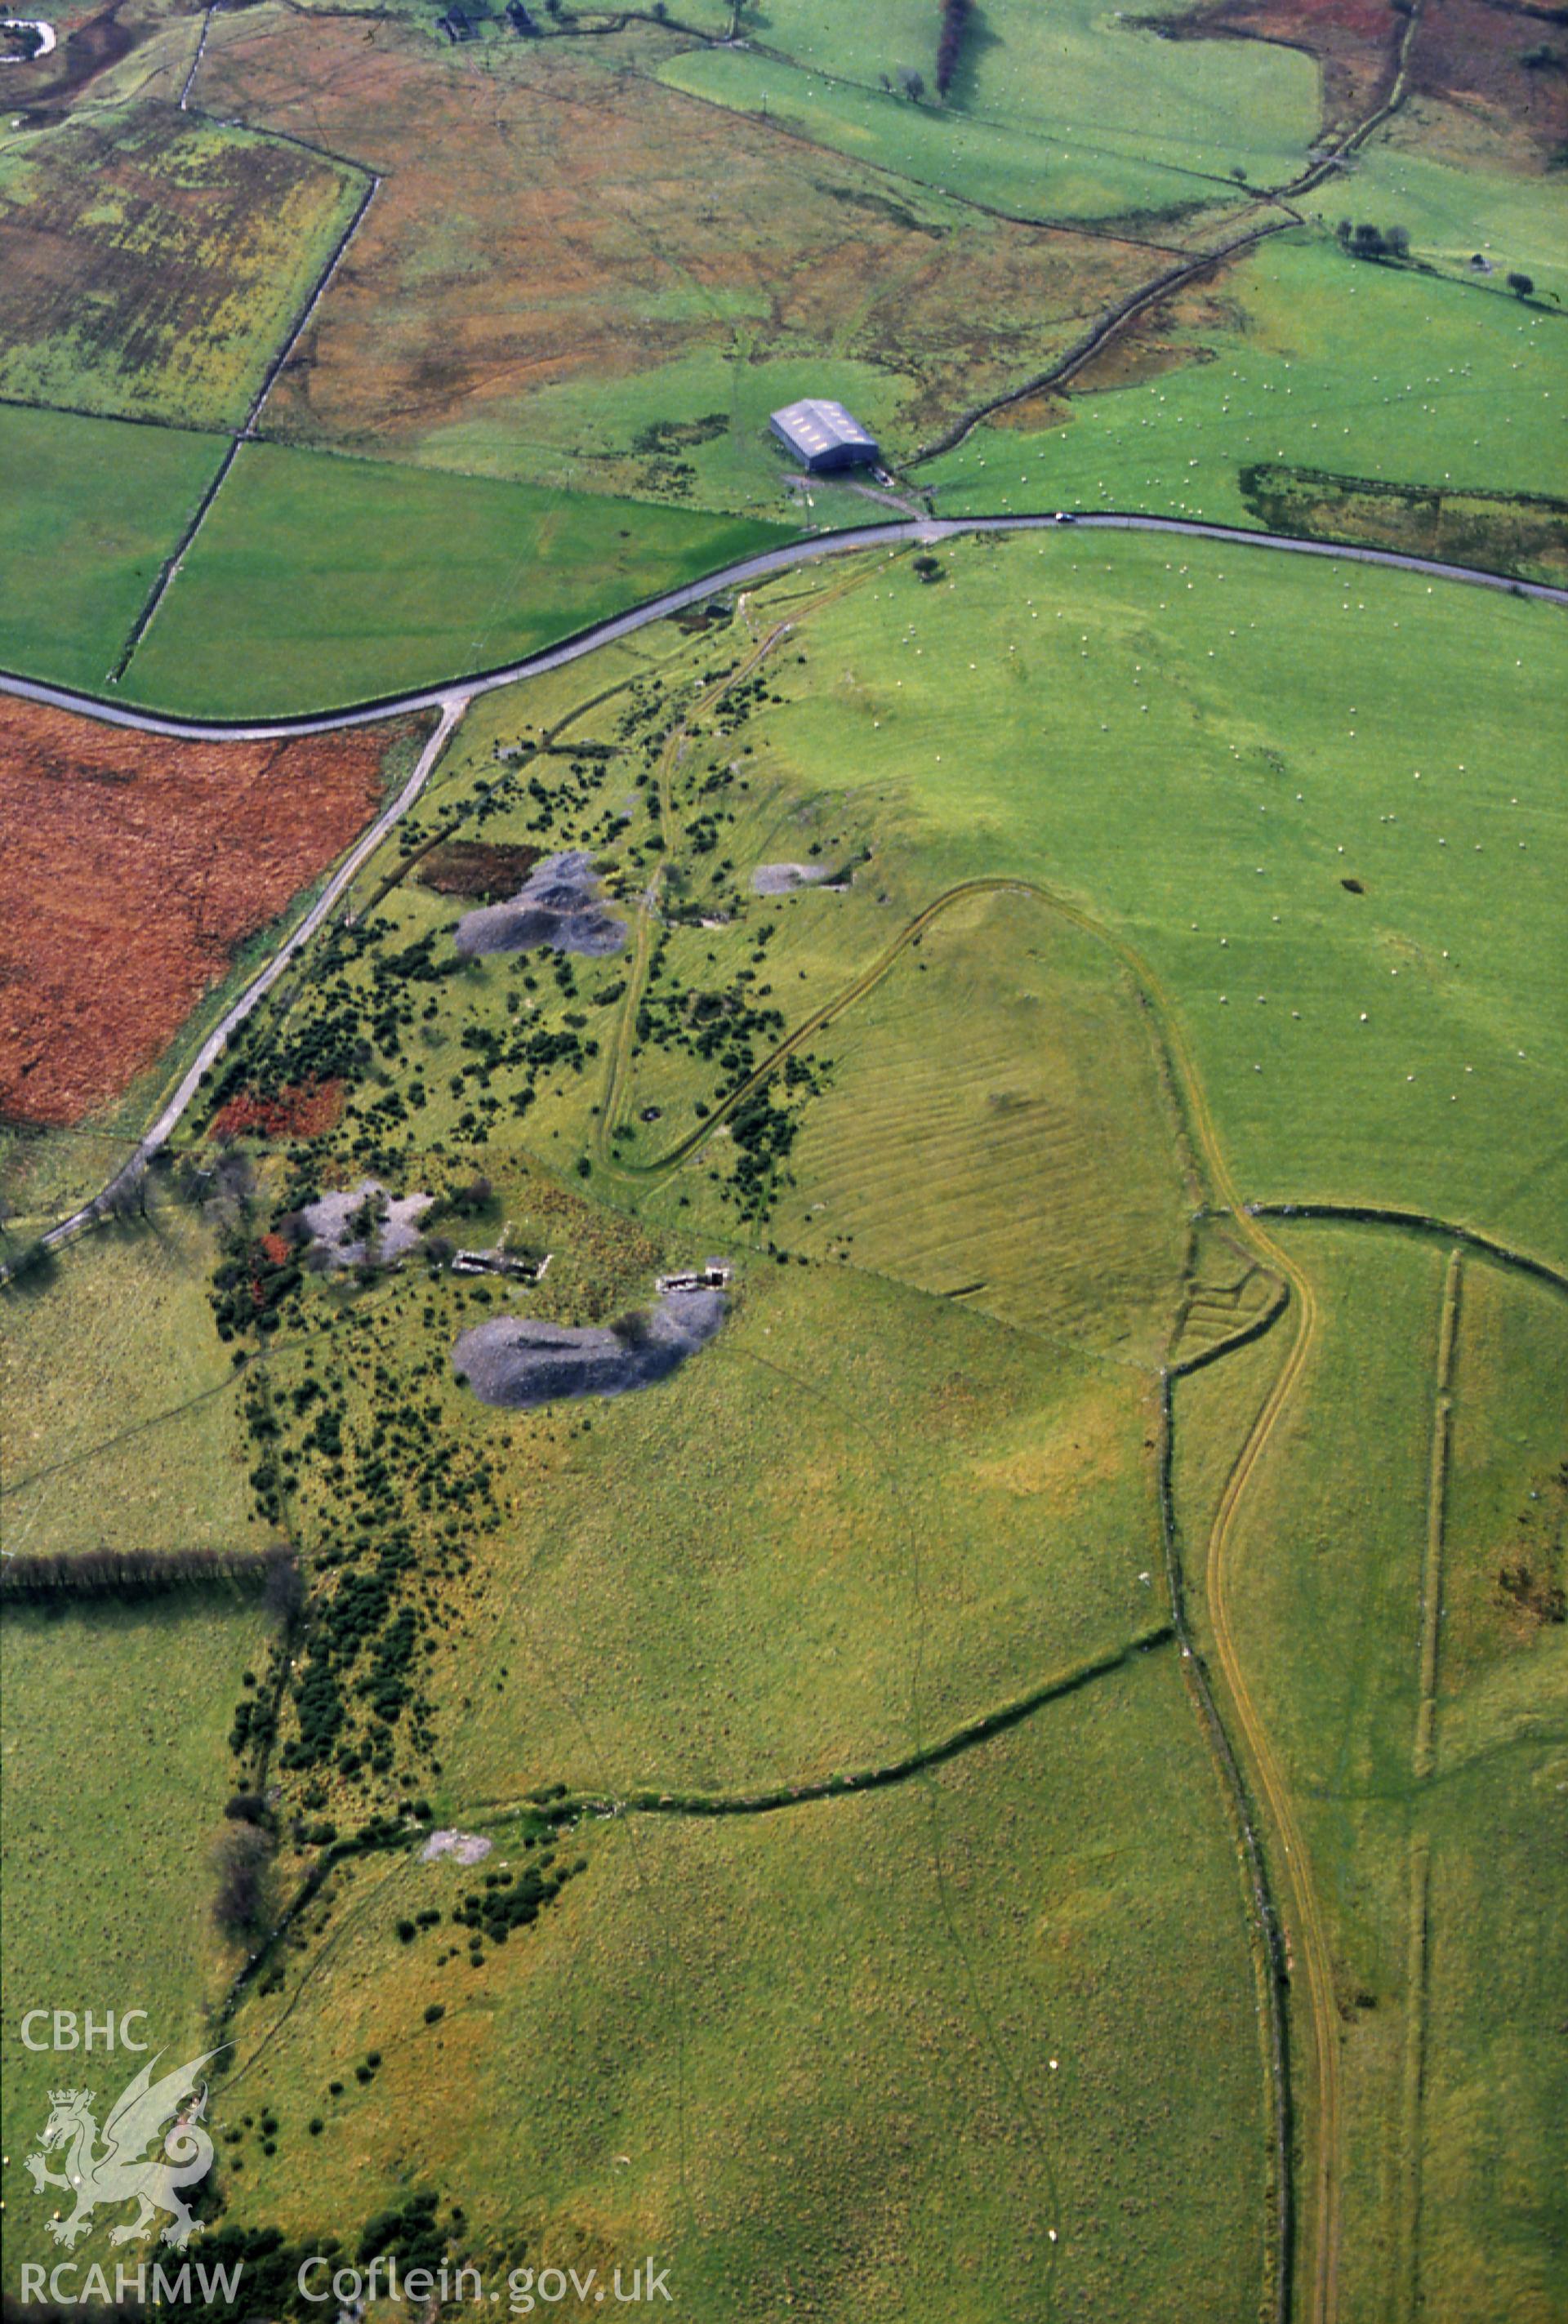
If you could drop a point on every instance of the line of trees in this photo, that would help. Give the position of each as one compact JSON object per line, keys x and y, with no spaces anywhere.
{"x":1374,"y":241}
{"x":955,"y":22}
{"x":127,"y":1574}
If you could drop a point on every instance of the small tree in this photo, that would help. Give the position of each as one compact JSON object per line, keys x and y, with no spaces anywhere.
{"x":243,"y":1862}
{"x":912,"y":82}
{"x":1521,"y":285}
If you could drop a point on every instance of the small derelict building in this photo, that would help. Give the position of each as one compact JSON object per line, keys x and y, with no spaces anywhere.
{"x":822,"y":435}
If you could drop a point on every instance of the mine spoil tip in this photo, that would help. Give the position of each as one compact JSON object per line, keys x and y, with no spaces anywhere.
{"x":520,"y":1362}
{"x":558,"y":904}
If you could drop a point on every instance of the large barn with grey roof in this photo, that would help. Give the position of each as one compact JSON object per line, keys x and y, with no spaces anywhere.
{"x":823,"y":434}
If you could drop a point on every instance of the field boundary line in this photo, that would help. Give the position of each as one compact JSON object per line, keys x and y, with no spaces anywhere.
{"x":207,"y":14}
{"x":1091,"y":229}
{"x":1409,"y":2288}
{"x":245,"y":433}
{"x":1408,"y":2292}
{"x":1357,"y":136}
{"x":1436,"y":1501}
{"x":1127,"y":308}
{"x":1084,"y":349}
{"x":1198,"y":1131}
{"x":1381,"y":1214}
{"x":763,"y":566}
{"x":850,"y":1784}
{"x":114,"y":418}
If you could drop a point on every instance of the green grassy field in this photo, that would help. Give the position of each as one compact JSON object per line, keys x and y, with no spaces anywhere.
{"x":1446,"y":2101}
{"x":983,"y":725}
{"x":942,"y":1517}
{"x":91,"y":509}
{"x":1511,"y":219}
{"x":1493,"y":2092}
{"x":939,"y":1518}
{"x":584,"y":433}
{"x":1062,"y":116}
{"x":274,"y":610}
{"x":115,"y":1777}
{"x":1304,"y":356}
{"x":1039,"y":685}
{"x":673,"y":271}
{"x":985,"y":1097}
{"x":1113,"y":945}
{"x":880,"y":2051}
{"x":122,"y":1427}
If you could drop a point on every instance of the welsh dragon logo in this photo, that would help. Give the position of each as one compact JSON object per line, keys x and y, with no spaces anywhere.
{"x":112,"y":2166}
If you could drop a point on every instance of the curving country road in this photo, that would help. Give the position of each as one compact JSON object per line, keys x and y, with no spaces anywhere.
{"x":453,"y":698}
{"x":760,"y":567}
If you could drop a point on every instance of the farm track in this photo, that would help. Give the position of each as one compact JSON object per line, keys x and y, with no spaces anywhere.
{"x":453,"y":701}
{"x":636,"y":971}
{"x":1194,"y":1107}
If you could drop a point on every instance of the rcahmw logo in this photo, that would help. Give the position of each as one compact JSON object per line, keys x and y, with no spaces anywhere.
{"x":113,"y":2165}
{"x":70,"y":2285}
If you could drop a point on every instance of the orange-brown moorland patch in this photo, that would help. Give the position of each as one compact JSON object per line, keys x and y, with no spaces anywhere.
{"x":308,"y":1111}
{"x":1498,"y":60}
{"x":557,"y":216}
{"x":1504,"y":66}
{"x":132,"y":870}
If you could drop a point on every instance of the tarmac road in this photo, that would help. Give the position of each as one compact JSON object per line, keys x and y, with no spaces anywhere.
{"x":453,"y":699}
{"x":131,"y":1171}
{"x":760,"y":567}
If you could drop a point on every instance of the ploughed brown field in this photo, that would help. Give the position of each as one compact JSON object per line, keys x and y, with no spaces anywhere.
{"x":133,"y":869}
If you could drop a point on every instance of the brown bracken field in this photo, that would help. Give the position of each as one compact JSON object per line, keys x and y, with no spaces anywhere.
{"x":557,"y":221}
{"x":134,"y":868}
